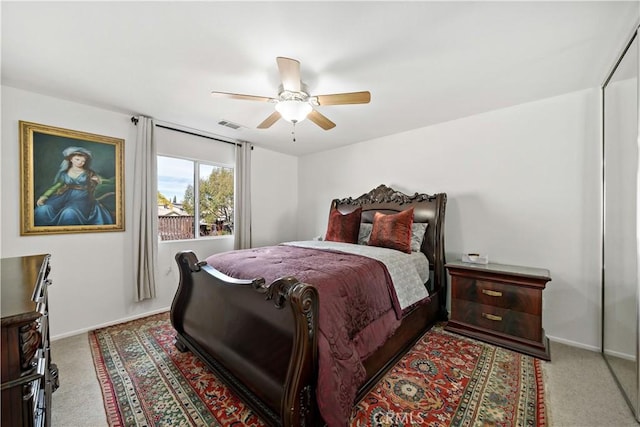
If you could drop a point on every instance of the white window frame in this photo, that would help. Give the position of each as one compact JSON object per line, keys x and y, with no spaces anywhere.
{"x":196,"y":196}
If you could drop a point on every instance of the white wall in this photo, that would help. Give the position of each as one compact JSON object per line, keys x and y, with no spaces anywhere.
{"x":92,"y":271}
{"x":274,"y":197}
{"x":523,"y":186}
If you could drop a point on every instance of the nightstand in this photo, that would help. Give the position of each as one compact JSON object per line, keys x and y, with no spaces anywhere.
{"x":499,"y":304}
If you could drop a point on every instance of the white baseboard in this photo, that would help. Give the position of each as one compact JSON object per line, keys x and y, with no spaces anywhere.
{"x":104,"y":325}
{"x":619,"y":355}
{"x":592,"y":348}
{"x":574,"y":344}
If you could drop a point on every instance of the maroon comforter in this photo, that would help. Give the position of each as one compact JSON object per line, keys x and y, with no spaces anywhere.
{"x":358,"y":311}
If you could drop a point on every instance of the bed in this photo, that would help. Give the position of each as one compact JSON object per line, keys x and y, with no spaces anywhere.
{"x":288,"y":328}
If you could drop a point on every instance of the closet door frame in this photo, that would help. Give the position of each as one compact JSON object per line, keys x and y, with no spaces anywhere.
{"x":633,"y":401}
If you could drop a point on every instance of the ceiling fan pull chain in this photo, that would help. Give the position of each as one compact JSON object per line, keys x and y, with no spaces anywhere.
{"x":293,"y":132}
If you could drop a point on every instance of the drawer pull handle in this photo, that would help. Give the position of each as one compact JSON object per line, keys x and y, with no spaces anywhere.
{"x":492,"y":317}
{"x":492,"y":293}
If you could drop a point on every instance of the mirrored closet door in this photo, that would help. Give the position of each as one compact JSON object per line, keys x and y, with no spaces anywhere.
{"x":621,"y":237}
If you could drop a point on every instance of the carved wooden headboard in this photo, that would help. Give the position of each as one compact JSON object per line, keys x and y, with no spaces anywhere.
{"x":427,"y":208}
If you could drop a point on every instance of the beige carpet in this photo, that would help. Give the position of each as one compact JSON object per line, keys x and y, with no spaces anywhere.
{"x":580,"y":390}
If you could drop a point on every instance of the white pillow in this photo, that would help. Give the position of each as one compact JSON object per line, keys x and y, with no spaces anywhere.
{"x":417,"y":235}
{"x":364,"y":233}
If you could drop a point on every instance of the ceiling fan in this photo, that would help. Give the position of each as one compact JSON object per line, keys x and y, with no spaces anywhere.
{"x":294,"y":103}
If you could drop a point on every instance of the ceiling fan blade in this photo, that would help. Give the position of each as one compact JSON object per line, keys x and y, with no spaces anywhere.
{"x":321,"y":120}
{"x":289,"y":73}
{"x":269,"y":120}
{"x":242,"y":97}
{"x":345,"y":98}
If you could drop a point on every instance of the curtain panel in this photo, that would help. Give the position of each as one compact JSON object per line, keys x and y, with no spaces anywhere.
{"x":242,"y":224}
{"x":145,"y":211}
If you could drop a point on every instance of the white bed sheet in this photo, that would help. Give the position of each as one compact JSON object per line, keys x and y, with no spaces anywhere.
{"x":409,"y":272}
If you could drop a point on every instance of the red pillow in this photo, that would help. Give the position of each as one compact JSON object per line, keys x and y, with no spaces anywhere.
{"x":344,"y":228}
{"x":392,"y":231}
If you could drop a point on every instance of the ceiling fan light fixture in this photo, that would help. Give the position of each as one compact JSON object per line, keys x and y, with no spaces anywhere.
{"x":293,"y":103}
{"x":293,"y":111}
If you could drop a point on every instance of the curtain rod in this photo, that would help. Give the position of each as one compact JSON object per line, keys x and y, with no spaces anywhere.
{"x":197,"y":134}
{"x":135,"y":120}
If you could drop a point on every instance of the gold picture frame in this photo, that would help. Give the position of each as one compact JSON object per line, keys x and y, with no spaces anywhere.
{"x":72,"y":181}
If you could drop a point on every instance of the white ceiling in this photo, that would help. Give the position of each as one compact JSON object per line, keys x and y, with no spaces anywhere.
{"x":423,"y":62}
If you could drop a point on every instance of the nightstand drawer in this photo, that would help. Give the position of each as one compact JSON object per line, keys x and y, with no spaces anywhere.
{"x":515,"y":323}
{"x":516,"y":298}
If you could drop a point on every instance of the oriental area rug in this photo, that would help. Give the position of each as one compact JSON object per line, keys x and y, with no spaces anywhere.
{"x":444,"y":380}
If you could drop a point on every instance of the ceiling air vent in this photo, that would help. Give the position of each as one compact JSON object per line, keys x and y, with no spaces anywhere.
{"x":228,"y":124}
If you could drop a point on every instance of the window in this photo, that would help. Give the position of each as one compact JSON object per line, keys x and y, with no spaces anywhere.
{"x":195,"y":199}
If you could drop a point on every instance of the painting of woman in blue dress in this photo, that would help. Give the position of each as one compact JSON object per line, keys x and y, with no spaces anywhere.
{"x":71,"y":200}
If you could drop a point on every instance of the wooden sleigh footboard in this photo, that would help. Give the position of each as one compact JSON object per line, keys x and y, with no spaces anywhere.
{"x":260,"y":340}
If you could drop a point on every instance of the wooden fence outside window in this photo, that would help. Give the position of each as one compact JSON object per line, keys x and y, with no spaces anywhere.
{"x":175,"y":227}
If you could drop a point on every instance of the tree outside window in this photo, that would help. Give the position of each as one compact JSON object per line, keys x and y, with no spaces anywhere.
{"x":184,"y":207}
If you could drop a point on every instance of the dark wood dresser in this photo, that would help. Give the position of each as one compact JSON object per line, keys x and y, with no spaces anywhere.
{"x":28,"y":376}
{"x":499,"y":304}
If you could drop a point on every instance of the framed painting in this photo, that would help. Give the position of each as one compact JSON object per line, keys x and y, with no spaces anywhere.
{"x":72,"y":181}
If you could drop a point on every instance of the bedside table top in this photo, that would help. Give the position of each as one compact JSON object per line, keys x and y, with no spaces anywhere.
{"x":514,"y":270}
